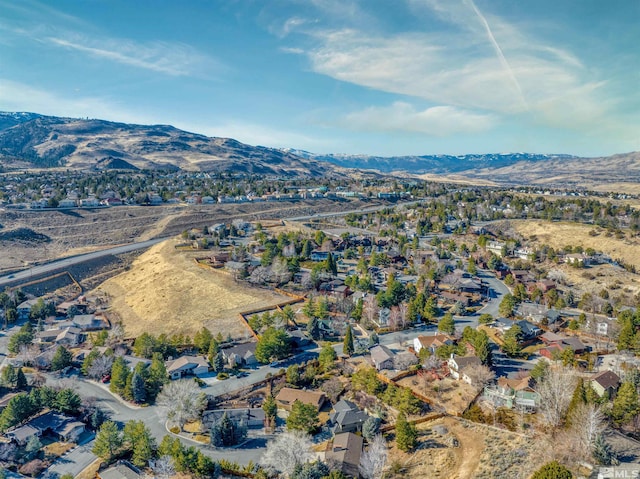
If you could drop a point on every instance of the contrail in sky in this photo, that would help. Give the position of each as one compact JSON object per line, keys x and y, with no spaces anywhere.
{"x":501,"y":56}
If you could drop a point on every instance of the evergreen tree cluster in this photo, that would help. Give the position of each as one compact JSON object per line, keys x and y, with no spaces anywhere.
{"x":226,"y":432}
{"x":23,"y":405}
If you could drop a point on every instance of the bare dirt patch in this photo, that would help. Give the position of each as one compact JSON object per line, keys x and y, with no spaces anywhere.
{"x":454,"y":396}
{"x":481,"y":452}
{"x":164,"y":291}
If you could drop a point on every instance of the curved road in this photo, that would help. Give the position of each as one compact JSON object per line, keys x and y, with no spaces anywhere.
{"x":56,"y":265}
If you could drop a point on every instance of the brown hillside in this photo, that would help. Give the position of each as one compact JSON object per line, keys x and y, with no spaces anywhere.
{"x":166,"y":292}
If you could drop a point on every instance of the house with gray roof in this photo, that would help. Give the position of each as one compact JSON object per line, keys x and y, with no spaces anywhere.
{"x":344,"y":453}
{"x":346,"y":417}
{"x":382,"y":357}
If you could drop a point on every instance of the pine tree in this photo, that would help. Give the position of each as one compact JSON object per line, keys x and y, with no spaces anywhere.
{"x":332,"y":267}
{"x":138,"y":390}
{"x":552,"y":470}
{"x":483,"y":349}
{"x":108,"y":441}
{"x":139,"y":439}
{"x":406,"y":434}
{"x":119,"y":375}
{"x":9,"y":376}
{"x":218,"y":363}
{"x":157,"y":376}
{"x":447,"y":324}
{"x":603,"y":452}
{"x":202,"y":340}
{"x":214,"y":349}
{"x":370,"y":428}
{"x":348,"y":347}
{"x":625,"y":405}
{"x":61,"y":359}
{"x":270,"y":409}
{"x":313,"y":328}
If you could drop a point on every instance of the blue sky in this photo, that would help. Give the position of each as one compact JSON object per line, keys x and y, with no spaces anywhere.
{"x":391,"y":77}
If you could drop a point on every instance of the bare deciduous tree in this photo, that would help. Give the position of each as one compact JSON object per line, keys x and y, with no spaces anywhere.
{"x":116,"y":334}
{"x":587,"y":422}
{"x":558,"y":276}
{"x":333,"y":387}
{"x":370,"y":308}
{"x":100,"y":366}
{"x":260,"y":275}
{"x":279,"y":271}
{"x":394,"y":318}
{"x":28,"y":354}
{"x":479,"y":375}
{"x":181,"y":401}
{"x":403,"y":309}
{"x":404,"y":361}
{"x":555,"y":395}
{"x":374,"y":459}
{"x":162,"y":467}
{"x":287,"y":451}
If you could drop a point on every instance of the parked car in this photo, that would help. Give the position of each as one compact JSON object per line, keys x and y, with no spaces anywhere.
{"x":106,"y":378}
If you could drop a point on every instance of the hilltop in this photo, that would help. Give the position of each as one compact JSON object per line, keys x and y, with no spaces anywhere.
{"x":28,"y":139}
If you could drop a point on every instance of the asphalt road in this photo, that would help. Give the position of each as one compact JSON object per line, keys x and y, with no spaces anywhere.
{"x":48,"y":268}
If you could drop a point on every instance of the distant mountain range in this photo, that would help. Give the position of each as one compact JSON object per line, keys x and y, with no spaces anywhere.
{"x":437,"y":164}
{"x":33,"y":140}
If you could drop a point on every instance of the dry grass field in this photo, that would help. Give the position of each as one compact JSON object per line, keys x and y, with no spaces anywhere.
{"x":560,"y":234}
{"x":164,"y":291}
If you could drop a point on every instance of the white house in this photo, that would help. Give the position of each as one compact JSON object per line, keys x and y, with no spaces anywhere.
{"x":187,"y":365}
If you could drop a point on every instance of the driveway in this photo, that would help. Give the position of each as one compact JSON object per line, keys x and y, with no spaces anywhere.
{"x":74,"y":462}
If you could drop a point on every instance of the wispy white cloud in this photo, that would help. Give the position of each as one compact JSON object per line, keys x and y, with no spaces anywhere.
{"x":48,"y":26}
{"x":434,"y":121}
{"x":480,"y":63}
{"x":169,"y":58}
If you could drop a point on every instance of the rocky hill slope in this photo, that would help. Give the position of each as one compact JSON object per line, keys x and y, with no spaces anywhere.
{"x":44,"y":141}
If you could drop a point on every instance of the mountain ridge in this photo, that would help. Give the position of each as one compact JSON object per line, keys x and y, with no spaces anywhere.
{"x":34,"y":140}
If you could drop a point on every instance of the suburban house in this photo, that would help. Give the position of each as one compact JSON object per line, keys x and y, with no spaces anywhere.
{"x":187,"y":366}
{"x":537,"y":313}
{"x":578,"y":259}
{"x":120,"y":470}
{"x":431,"y":342}
{"x":62,"y":427}
{"x":346,"y":417}
{"x":24,"y":308}
{"x":250,"y":417}
{"x":68,"y":336}
{"x":605,"y":383}
{"x":556,"y":344}
{"x":381,"y":357}
{"x":344,"y":453}
{"x":88,"y":322}
{"x":529,"y":330}
{"x":240,"y":355}
{"x":457,"y":366}
{"x":510,"y":393}
{"x":287,"y":396}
